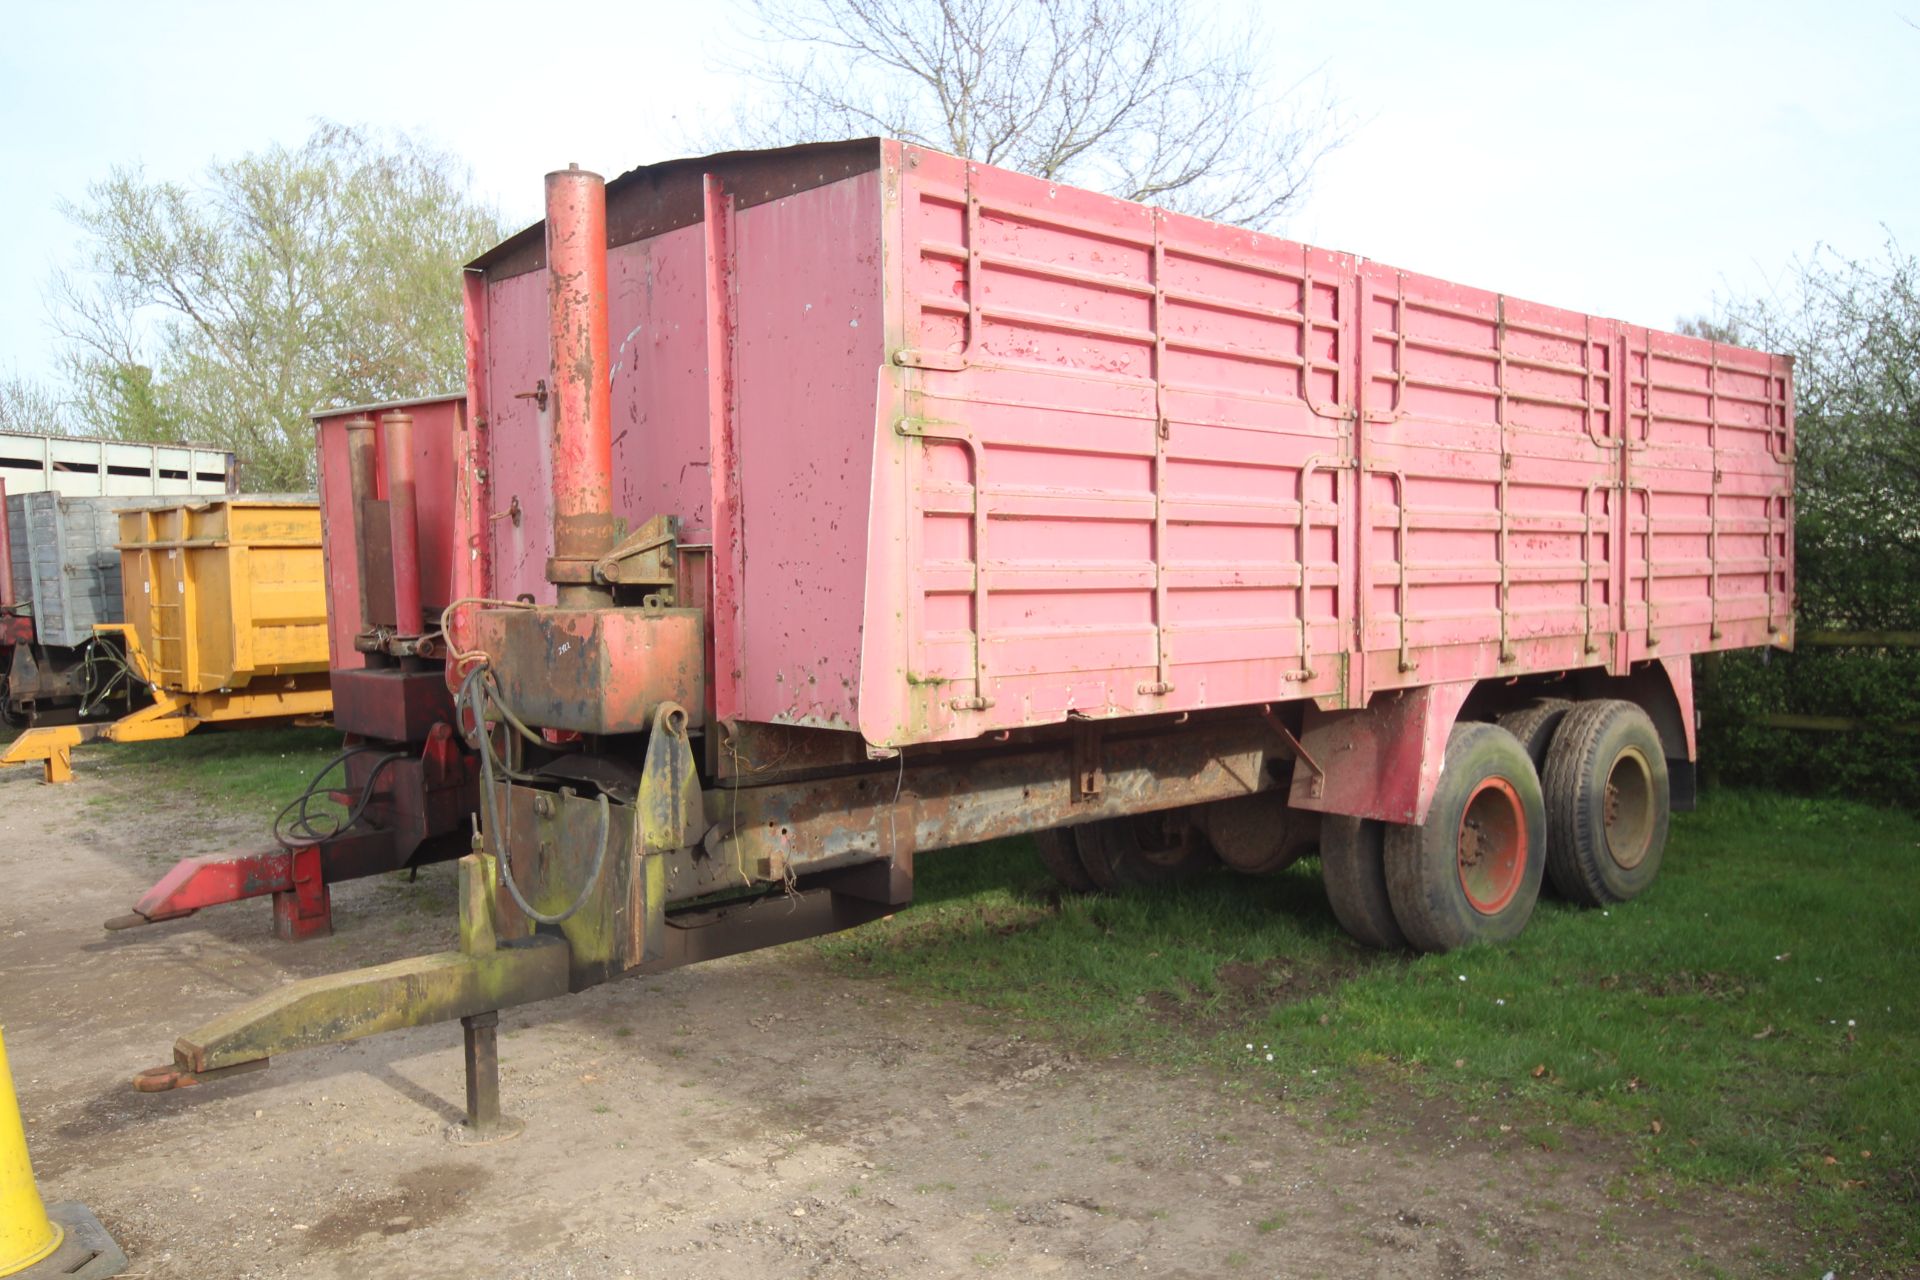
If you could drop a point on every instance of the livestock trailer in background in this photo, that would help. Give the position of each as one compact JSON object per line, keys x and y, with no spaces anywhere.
{"x":408,"y":781}
{"x":57,"y":498}
{"x":82,"y":467}
{"x":852,"y":501}
{"x":225,"y":621}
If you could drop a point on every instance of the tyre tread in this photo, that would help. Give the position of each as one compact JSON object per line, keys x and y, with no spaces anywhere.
{"x":1535,"y":726}
{"x":1423,"y":898}
{"x":1573,"y":854}
{"x":1353,"y":874}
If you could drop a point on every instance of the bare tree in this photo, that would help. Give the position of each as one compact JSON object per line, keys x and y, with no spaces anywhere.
{"x":1140,"y":98}
{"x":26,"y":405}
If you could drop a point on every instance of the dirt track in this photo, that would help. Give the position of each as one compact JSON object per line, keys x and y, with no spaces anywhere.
{"x":759,"y":1117}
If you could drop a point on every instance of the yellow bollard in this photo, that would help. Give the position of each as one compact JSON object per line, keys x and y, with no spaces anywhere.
{"x":35,"y":1241}
{"x":26,"y":1234}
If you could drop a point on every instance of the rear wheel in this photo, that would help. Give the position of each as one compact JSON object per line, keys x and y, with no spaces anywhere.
{"x":1533,"y":727}
{"x":1143,"y":849}
{"x":1471,"y":872}
{"x":1062,"y":858}
{"x":1356,"y":880}
{"x":1259,"y":834}
{"x":1608,"y":803}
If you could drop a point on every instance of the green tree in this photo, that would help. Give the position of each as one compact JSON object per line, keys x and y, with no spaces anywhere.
{"x":287,"y":280}
{"x":1853,"y":328}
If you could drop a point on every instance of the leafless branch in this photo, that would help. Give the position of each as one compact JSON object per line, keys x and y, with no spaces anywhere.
{"x":1135,"y":97}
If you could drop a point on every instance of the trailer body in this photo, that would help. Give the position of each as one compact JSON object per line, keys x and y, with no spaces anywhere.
{"x":63,"y":553}
{"x":228,"y":594}
{"x":822,"y":507}
{"x":1007,"y":454}
{"x":65,"y":568}
{"x":436,"y":430}
{"x":405,"y":771}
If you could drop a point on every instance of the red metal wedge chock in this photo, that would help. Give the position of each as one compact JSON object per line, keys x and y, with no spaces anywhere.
{"x":301,"y":903}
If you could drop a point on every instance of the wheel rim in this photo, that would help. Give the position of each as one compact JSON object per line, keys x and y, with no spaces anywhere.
{"x":1492,"y":846}
{"x":1628,"y":809}
{"x":1158,"y":846}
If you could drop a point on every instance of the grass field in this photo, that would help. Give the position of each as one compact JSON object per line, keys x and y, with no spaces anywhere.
{"x":247,"y":773}
{"x":1751,"y":1022}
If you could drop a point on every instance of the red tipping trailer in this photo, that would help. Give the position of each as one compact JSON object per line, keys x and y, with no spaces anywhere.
{"x":387,"y":490}
{"x":844,"y":502}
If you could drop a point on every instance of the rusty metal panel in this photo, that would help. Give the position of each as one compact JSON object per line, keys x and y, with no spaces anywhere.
{"x":596,"y":671}
{"x":844,"y":821}
{"x":653,"y":200}
{"x":437,"y":425}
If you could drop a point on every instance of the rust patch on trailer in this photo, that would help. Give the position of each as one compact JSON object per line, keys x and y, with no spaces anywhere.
{"x":599,"y":671}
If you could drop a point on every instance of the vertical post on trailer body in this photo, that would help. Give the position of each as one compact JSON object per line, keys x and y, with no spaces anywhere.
{"x":582,"y":419}
{"x":360,"y":483}
{"x":473,"y":498}
{"x":403,"y":522}
{"x":723,"y":451}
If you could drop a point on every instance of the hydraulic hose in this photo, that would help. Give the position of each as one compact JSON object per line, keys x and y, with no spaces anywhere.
{"x":476,"y":691}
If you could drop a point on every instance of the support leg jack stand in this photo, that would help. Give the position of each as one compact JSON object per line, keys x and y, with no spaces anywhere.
{"x":484,"y":1123}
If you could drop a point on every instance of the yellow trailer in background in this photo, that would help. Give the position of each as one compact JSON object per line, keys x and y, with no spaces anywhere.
{"x":226,"y":609}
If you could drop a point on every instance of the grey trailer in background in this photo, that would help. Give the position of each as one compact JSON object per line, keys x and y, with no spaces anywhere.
{"x":66,"y":568}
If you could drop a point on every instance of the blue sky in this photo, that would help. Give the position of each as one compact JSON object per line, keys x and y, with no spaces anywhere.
{"x":1633,"y":159}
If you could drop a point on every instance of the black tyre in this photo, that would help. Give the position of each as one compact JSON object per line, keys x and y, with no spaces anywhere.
{"x":1062,"y":858}
{"x":1534,"y":726}
{"x":1351,"y":867}
{"x":1472,"y":871}
{"x":1145,"y":849}
{"x":1608,"y":803}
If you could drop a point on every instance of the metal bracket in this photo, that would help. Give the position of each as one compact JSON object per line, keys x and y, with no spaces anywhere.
{"x":644,"y":557}
{"x":671,"y":815}
{"x":945,"y":361}
{"x":1089,"y":776}
{"x":1315,"y":788}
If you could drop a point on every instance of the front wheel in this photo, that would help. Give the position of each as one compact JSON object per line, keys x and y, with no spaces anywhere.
{"x":1471,"y":872}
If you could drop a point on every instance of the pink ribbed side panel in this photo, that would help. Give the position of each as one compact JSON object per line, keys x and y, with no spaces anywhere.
{"x":1127,"y":453}
{"x":810,"y":328}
